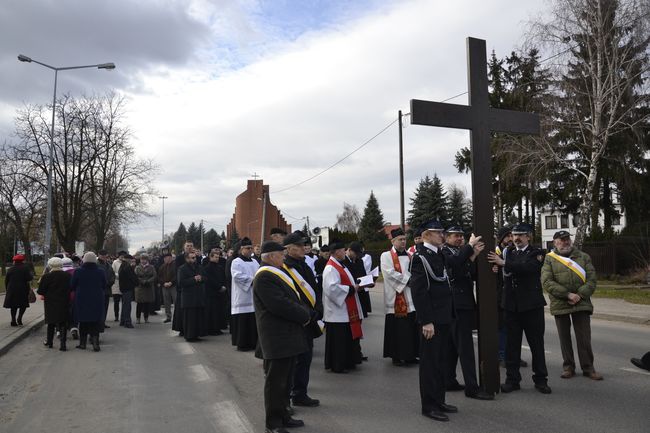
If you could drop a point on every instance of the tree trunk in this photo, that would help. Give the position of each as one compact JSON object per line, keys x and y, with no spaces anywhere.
{"x":585,"y":209}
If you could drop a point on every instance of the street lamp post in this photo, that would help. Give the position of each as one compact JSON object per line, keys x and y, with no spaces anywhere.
{"x":48,"y":221}
{"x":163,"y":198}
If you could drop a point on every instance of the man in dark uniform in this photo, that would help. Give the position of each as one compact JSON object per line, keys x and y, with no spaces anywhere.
{"x":459,"y":260}
{"x":523,"y":302}
{"x":354,"y":263}
{"x":433,"y":305}
{"x":321,"y":262}
{"x":311,"y":296}
{"x":281,"y":318}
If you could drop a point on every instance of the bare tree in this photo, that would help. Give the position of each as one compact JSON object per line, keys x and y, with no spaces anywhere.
{"x":601,"y":82}
{"x":349,"y":220}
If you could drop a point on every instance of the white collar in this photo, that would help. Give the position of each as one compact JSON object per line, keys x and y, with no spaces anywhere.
{"x":431,"y":247}
{"x":523,"y":249}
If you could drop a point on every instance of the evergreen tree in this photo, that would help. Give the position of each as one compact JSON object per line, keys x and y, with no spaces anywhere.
{"x":223,"y":235}
{"x":179,"y":238}
{"x":460,"y":207}
{"x":439,"y":201}
{"x":234,"y":238}
{"x":371,"y":227}
{"x":194,"y":234}
{"x":420,"y":203}
{"x":211,"y":239}
{"x":305,"y":229}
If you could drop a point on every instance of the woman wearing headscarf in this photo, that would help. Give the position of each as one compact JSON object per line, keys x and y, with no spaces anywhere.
{"x":55,"y":288}
{"x":89,"y":284}
{"x":17,"y":286}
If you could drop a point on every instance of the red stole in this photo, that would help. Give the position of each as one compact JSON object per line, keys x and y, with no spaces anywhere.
{"x":350,"y":301}
{"x":401,"y":305}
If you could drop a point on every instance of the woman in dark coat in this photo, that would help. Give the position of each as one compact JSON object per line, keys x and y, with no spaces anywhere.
{"x":145,"y":291}
{"x":17,"y":285}
{"x":55,"y":288}
{"x":89,"y":284}
{"x":215,"y":286}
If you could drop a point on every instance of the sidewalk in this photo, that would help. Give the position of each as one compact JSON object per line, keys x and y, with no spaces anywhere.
{"x":32,"y":320}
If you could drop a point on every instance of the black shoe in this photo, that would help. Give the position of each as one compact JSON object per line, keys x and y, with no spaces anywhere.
{"x":413,"y":361}
{"x":153,"y":313}
{"x":289,"y":410}
{"x":305,"y":401}
{"x":292,"y":422}
{"x":106,"y":326}
{"x":455,"y":386}
{"x":479,"y":395}
{"x":81,"y":346}
{"x":448,"y":408}
{"x":523,"y":363}
{"x":509,"y":387}
{"x":502,"y":363}
{"x":47,"y":344}
{"x":95,"y":342}
{"x":435,"y":414}
{"x":14,"y":324}
{"x":63,"y":347}
{"x":167,"y":320}
{"x":116,"y":320}
{"x":129,"y":326}
{"x":543,"y":388}
{"x":276,"y":430}
{"x":639,"y":364}
{"x":19,"y":322}
{"x":399,"y":363}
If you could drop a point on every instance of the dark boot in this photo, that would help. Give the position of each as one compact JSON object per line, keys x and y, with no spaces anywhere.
{"x":83,"y":338}
{"x":95,"y":342}
{"x":63,"y":337}
{"x":50,"y":336}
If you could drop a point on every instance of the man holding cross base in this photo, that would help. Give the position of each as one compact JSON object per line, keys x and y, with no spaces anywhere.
{"x":570,"y":279}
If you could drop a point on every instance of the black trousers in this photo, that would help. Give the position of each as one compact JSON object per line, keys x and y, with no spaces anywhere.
{"x":276,"y":390}
{"x":51,"y":329}
{"x":433,"y":361}
{"x":461,"y":345}
{"x":116,"y":306}
{"x":532,"y":323}
{"x":107,"y":299}
{"x":301,"y":371}
{"x":142,"y":308}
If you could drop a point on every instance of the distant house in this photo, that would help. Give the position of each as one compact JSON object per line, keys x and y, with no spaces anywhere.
{"x":552,"y":221}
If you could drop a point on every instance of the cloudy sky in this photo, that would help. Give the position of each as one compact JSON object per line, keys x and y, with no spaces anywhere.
{"x":220,"y":89}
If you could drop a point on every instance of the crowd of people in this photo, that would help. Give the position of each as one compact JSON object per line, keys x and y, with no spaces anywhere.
{"x":276,"y":298}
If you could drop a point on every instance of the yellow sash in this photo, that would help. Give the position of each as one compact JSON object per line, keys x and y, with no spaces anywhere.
{"x":571,"y":264}
{"x":497,"y":250}
{"x":301,"y":283}
{"x":280,"y":274}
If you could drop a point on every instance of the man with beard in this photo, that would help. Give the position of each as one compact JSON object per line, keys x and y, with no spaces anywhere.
{"x":311,"y":296}
{"x":281,"y":319}
{"x":167,"y":282}
{"x":341,"y":313}
{"x":570,"y":279}
{"x":242,"y":324}
{"x":523,"y":302}
{"x":459,"y":261}
{"x":215,"y":285}
{"x":191,"y":282}
{"x":433,"y":304}
{"x":401,"y":330}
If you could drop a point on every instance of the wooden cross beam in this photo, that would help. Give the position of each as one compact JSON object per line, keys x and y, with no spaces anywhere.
{"x":481,"y":120}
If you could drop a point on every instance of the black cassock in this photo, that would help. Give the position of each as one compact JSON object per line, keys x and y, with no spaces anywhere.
{"x":358,"y":270}
{"x":192,"y":300}
{"x":215,"y":318}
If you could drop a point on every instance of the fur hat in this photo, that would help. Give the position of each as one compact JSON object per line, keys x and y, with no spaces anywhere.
{"x":90,"y":257}
{"x":55,"y":263}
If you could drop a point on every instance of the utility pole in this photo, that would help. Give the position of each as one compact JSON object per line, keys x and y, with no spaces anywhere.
{"x":401,"y":172}
{"x":163,"y":197}
{"x":201,"y":229}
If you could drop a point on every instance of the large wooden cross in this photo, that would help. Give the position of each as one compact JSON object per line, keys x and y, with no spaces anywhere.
{"x":481,"y":120}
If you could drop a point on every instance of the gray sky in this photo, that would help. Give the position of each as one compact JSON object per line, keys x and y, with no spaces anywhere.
{"x":220,"y":89}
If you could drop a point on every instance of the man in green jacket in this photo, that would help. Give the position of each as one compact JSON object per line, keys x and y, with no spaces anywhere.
{"x":570,"y":279}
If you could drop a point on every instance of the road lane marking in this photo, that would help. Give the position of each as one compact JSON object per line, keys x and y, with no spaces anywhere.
{"x":230,"y":418}
{"x":199,"y":373}
{"x":523,"y":346}
{"x":185,"y":348}
{"x":635,"y":370}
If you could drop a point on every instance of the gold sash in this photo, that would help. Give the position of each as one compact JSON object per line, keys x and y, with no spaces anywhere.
{"x":282,"y":276}
{"x":571,"y":264}
{"x":302,"y":284}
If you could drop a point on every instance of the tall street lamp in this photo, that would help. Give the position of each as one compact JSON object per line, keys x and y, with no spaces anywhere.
{"x":163,"y":198}
{"x":48,"y":221}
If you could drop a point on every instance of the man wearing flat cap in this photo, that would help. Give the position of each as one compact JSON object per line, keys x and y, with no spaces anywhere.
{"x":281,"y":318}
{"x":569,"y":278}
{"x":433,"y":305}
{"x":523,"y":302}
{"x":311,"y":296}
{"x":417,"y":240}
{"x":321,"y":262}
{"x":459,"y":261}
{"x":401,"y":330}
{"x":242,"y":321}
{"x":354,"y":262}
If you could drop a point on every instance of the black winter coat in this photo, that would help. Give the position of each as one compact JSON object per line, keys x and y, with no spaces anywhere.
{"x":432,"y":299}
{"x":17,"y":286}
{"x":110,"y":275}
{"x":128,"y":278}
{"x":192,"y":292}
{"x":280,"y":317}
{"x":55,"y":287}
{"x":313,"y":330}
{"x":522,"y":289}
{"x":460,"y":271}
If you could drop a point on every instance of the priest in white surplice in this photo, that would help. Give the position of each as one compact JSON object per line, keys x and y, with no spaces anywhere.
{"x":342,"y":314}
{"x":243,"y":329}
{"x":401,"y":331}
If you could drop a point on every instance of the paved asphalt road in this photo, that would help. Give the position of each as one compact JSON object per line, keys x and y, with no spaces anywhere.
{"x":149,"y":380}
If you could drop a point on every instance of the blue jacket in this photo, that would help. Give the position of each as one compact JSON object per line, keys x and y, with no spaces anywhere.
{"x":89,"y":284}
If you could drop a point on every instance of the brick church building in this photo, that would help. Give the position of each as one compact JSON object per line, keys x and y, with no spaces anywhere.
{"x":248,"y":216}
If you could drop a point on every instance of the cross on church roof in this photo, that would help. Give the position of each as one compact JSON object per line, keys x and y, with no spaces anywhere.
{"x":255,"y":176}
